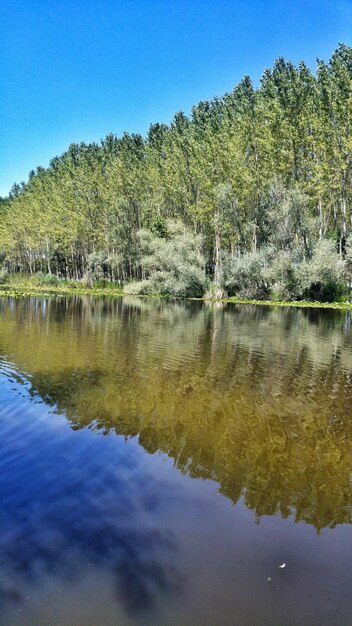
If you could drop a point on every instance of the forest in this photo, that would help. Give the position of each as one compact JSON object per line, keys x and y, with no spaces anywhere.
{"x":250,"y":195}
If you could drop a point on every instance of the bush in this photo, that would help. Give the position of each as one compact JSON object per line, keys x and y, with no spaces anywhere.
{"x":4,"y":276}
{"x":142,"y":287}
{"x":215,"y":292}
{"x":246,"y":276}
{"x":282,"y":277}
{"x":48,"y":280}
{"x":98,"y":268}
{"x":321,"y":278}
{"x":348,"y":262}
{"x":172,"y":265}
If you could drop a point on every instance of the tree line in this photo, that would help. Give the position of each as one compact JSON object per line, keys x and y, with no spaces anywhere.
{"x":250,"y":193}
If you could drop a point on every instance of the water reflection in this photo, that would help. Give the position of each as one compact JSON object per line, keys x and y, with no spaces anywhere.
{"x":64,"y":504}
{"x":256,"y":399}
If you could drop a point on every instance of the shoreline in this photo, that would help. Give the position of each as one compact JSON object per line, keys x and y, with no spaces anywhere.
{"x":51,"y":292}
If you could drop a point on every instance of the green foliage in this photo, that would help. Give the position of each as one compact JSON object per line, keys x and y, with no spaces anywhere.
{"x":98,"y":267}
{"x":348,"y":261}
{"x":48,"y":279}
{"x":172,"y":265}
{"x":282,"y":277}
{"x":3,"y":275}
{"x":246,"y":276}
{"x":321,"y":278}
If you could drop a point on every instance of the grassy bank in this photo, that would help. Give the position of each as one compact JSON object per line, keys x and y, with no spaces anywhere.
{"x":345,"y":306}
{"x":19,"y":287}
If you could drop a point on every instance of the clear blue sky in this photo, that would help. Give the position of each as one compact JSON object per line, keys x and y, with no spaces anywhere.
{"x":75,"y":70}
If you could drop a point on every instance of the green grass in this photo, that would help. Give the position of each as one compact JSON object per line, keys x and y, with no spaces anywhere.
{"x":20,"y":286}
{"x":293,"y":303}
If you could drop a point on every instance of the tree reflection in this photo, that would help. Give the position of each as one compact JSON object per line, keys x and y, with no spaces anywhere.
{"x":257,"y":399}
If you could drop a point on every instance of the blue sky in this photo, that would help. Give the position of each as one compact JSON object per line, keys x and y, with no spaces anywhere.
{"x":75,"y":70}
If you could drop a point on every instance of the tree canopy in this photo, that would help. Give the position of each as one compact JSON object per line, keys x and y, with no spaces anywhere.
{"x":256,"y":169}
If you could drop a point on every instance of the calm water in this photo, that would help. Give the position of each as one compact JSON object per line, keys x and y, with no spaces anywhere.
{"x":159,"y":461}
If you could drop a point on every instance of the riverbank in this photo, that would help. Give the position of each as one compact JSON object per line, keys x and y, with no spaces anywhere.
{"x":21,"y":291}
{"x":345,"y":306}
{"x":18,"y":285}
{"x":27,"y":288}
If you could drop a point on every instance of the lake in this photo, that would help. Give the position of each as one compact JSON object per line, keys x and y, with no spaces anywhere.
{"x":159,"y":462}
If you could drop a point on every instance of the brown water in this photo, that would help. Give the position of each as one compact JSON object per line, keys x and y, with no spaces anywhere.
{"x":159,"y":462}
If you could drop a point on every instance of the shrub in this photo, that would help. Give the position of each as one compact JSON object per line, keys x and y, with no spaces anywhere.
{"x":142,"y":287}
{"x":348,"y":262}
{"x":246,"y":276}
{"x":173,"y":265}
{"x":98,"y":267}
{"x":321,"y":278}
{"x":215,"y":292}
{"x":3,"y":275}
{"x":282,"y":277}
{"x":48,"y":279}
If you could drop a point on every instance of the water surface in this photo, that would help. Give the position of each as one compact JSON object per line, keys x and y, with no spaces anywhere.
{"x":159,"y":461}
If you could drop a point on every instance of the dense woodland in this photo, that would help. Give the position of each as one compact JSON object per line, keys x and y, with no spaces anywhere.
{"x":251,"y":194}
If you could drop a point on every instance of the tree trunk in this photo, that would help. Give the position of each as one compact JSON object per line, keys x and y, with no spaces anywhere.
{"x":48,"y":257}
{"x":217,"y":259}
{"x":254,"y":240}
{"x":320,"y":208}
{"x":30,"y":262}
{"x":343,"y":215}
